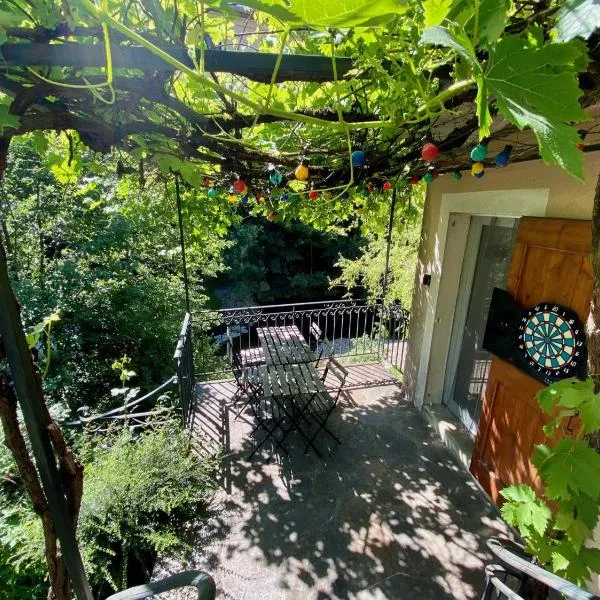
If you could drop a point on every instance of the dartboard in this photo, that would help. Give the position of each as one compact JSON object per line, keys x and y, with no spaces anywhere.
{"x":552,"y":341}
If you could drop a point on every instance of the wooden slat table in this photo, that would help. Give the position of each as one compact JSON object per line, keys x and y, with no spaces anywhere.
{"x":284,"y":345}
{"x":281,"y":381}
{"x":292,"y":388}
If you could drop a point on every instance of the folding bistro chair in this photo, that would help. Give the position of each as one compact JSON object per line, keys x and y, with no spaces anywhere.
{"x":269,"y":417}
{"x":245,"y":376}
{"x":320,"y":341}
{"x":322,"y":404}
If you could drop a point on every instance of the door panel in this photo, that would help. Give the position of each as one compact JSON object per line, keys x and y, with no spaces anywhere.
{"x":550,"y":263}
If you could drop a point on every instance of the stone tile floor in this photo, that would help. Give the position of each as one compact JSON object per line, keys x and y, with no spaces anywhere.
{"x":387,"y":514}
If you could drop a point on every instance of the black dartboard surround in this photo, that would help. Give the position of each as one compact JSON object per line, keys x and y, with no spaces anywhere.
{"x":552,"y":342}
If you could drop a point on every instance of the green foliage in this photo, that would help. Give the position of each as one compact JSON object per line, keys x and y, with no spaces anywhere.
{"x":103,"y":253}
{"x":364,"y":275}
{"x":272,"y":262}
{"x":22,"y":562}
{"x":322,"y":14}
{"x":140,"y":495}
{"x":569,"y":471}
{"x":533,"y":84}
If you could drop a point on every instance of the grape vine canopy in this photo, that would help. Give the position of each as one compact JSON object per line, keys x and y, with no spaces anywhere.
{"x":170,"y":84}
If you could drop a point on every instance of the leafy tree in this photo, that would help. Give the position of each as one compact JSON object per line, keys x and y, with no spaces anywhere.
{"x":367,"y":271}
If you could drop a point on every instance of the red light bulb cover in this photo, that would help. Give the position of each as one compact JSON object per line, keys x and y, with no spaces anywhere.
{"x":430,"y":152}
{"x":239,"y":186}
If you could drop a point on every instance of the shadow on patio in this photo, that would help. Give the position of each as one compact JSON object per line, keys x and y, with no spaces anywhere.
{"x":388,"y":514}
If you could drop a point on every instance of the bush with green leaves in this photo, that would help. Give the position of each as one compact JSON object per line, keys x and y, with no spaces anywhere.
{"x":142,"y":493}
{"x":557,"y":526}
{"x":22,"y":563}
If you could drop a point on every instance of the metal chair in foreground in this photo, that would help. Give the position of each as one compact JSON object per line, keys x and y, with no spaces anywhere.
{"x":516,"y":576}
{"x":322,"y":404}
{"x":203,"y":582}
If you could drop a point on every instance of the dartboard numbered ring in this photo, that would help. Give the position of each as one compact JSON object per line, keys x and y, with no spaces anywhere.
{"x":552,"y":341}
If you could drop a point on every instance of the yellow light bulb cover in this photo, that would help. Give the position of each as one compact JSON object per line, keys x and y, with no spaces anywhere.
{"x":477,"y":167}
{"x":301,"y":172}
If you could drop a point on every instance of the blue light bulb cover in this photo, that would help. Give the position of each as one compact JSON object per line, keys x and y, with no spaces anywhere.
{"x":503,"y":157}
{"x":358,"y":158}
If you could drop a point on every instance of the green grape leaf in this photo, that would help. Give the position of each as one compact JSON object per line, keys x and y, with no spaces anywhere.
{"x":584,"y":507}
{"x":589,"y":411}
{"x":569,"y":393}
{"x":537,"y":87}
{"x":576,"y":530}
{"x":574,"y":564}
{"x":518,"y":493}
{"x":482,"y":20}
{"x":559,"y":562}
{"x":436,"y":11}
{"x":454,"y":39}
{"x":571,"y":468}
{"x":577,"y":18}
{"x":540,"y":454}
{"x":322,"y":14}
{"x":527,"y":516}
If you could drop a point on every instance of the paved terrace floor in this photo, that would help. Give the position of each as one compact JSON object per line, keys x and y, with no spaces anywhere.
{"x":388,"y":514}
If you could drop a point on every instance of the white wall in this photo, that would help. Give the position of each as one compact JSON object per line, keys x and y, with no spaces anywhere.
{"x":525,"y":189}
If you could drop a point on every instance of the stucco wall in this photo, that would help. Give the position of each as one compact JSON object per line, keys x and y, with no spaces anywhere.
{"x":520,"y":189}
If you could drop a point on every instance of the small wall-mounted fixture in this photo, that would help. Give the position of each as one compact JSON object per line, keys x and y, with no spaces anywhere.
{"x":427,"y":279}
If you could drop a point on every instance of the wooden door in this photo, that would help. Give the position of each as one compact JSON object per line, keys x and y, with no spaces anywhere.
{"x":550,"y":263}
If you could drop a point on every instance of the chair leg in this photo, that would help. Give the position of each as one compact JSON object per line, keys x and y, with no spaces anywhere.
{"x":270,"y":433}
{"x":322,"y":426}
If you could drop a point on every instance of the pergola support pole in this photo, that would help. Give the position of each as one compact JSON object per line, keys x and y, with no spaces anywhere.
{"x":29,"y":393}
{"x":388,"y":246}
{"x":186,"y":282}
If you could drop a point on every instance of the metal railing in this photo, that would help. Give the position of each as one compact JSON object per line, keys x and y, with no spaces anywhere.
{"x":517,"y":578}
{"x":137,"y":412}
{"x":184,"y":357}
{"x":353,"y":331}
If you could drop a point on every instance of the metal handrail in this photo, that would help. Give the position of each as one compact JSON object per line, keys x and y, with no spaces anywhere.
{"x":203,"y":582}
{"x":519,"y":565}
{"x":351,"y":328}
{"x":289,"y":304}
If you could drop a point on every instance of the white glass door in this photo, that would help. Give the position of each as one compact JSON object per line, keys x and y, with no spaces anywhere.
{"x":485,"y":266}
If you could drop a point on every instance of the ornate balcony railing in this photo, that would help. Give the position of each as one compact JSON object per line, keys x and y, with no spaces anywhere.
{"x":354,"y":331}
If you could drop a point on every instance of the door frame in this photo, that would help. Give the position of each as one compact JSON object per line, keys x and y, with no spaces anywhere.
{"x":440,"y":297}
{"x":463,"y":300}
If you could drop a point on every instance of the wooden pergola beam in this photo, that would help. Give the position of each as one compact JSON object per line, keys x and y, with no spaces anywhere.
{"x":256,"y":66}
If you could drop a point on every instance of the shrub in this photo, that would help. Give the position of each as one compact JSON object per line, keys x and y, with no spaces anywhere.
{"x":22,"y":564}
{"x":140,"y":496}
{"x":142,"y":493}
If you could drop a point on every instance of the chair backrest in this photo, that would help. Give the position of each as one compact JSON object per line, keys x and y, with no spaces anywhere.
{"x":315,"y":332}
{"x":339,"y":372}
